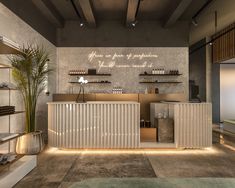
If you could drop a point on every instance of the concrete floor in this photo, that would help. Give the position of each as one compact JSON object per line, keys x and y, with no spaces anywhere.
{"x":58,"y":168}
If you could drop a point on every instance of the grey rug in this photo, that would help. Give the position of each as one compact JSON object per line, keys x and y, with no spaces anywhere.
{"x":118,"y":166}
{"x":156,"y":182}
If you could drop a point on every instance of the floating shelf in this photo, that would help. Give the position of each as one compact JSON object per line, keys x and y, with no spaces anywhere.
{"x":3,"y":66}
{"x":160,"y":82}
{"x":16,"y":112}
{"x":9,"y":137}
{"x":90,"y":74}
{"x":92,"y":82}
{"x":7,"y":89}
{"x":8,"y":47}
{"x":160,"y":74}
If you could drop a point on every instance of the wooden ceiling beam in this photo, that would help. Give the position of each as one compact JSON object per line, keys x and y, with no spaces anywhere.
{"x":48,"y":9}
{"x":177,"y":12}
{"x":132,"y":8}
{"x":88,"y":13}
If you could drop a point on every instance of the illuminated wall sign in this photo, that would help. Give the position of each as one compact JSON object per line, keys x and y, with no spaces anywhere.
{"x":130,"y":60}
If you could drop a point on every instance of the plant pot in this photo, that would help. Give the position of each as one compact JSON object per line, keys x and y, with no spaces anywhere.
{"x":30,"y":144}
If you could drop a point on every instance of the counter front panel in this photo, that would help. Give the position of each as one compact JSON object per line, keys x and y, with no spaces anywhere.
{"x":94,"y":124}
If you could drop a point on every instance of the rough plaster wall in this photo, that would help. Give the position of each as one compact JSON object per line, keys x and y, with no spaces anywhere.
{"x":206,"y":24}
{"x":128,"y":78}
{"x":116,"y":34}
{"x":18,"y":31}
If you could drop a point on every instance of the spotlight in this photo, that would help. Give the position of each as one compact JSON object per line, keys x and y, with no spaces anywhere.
{"x":194,"y":22}
{"x":81,"y":24}
{"x":210,"y":43}
{"x":134,"y":23}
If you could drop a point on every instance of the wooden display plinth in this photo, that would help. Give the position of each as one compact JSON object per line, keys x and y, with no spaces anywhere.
{"x":148,"y":134}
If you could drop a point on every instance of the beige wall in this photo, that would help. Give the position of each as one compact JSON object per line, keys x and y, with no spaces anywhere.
{"x":12,"y":27}
{"x":206,"y":25}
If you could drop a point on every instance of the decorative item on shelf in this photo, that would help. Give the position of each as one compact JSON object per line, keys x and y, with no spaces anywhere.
{"x":117,"y":90}
{"x":156,"y":90}
{"x":92,"y":71}
{"x":4,"y":110}
{"x":7,"y":85}
{"x":30,"y":73}
{"x":76,"y":72}
{"x":81,"y":89}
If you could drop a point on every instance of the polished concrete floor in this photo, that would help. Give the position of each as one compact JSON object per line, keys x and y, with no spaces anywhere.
{"x":58,"y":168}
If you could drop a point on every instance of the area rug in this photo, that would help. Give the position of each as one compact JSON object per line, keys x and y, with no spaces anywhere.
{"x":109,"y":166}
{"x":156,"y":182}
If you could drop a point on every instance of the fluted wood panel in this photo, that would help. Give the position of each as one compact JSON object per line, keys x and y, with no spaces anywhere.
{"x":193,"y":125}
{"x":224,"y":44}
{"x":93,"y":125}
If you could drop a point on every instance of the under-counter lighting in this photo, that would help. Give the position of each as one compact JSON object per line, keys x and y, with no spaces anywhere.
{"x":57,"y":151}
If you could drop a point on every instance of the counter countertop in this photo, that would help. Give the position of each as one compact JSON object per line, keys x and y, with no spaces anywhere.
{"x":95,"y":102}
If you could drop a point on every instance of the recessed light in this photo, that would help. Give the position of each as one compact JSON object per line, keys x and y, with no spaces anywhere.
{"x":81,"y":24}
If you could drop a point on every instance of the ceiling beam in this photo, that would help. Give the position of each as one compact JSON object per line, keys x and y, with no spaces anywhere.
{"x":87,"y":10}
{"x":48,"y":9}
{"x":177,"y":12}
{"x":132,"y":9}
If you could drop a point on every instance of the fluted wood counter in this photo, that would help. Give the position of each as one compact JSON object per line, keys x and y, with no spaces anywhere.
{"x":95,"y":124}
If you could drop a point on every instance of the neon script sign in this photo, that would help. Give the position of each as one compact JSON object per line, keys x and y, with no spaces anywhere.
{"x":131,"y":59}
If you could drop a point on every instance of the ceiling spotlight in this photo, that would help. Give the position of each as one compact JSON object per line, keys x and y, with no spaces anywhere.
{"x":81,"y":24}
{"x":210,"y":43}
{"x":194,"y":22}
{"x":134,"y":23}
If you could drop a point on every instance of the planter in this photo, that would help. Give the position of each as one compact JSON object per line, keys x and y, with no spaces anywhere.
{"x":30,"y":144}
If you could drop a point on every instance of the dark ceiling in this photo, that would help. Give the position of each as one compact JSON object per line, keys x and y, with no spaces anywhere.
{"x":116,"y":10}
{"x":46,"y":16}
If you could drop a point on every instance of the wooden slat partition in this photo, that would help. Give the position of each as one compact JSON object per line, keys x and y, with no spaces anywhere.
{"x":224,"y":44}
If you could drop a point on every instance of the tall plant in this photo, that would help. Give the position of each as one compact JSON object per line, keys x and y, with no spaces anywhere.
{"x":30,"y":71}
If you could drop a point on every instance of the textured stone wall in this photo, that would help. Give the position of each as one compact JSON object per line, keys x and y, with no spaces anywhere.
{"x":125,"y":72}
{"x":15,"y":29}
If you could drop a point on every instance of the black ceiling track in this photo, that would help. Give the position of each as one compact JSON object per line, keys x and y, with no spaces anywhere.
{"x":212,"y":40}
{"x":201,"y":9}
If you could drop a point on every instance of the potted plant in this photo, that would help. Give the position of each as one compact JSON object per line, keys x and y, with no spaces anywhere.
{"x":30,"y":72}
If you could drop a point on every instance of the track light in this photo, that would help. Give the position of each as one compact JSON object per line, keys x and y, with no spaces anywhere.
{"x":134,"y":23}
{"x":81,"y":24}
{"x":194,"y":22}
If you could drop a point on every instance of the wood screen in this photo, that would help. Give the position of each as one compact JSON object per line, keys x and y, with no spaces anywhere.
{"x":224,"y":44}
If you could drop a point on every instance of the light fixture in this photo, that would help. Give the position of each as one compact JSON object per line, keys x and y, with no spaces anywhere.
{"x":134,"y":23}
{"x":81,"y":24}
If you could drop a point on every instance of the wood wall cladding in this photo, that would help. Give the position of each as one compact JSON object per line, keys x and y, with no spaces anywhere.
{"x":224,"y":44}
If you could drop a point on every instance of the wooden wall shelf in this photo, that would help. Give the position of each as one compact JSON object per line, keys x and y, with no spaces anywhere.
{"x":160,"y":74}
{"x":160,"y":82}
{"x":92,"y":82}
{"x":90,"y":74}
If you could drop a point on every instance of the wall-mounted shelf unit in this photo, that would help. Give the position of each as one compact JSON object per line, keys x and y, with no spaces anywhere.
{"x":160,"y":74}
{"x":7,"y":89}
{"x":173,"y":82}
{"x":8,"y":47}
{"x":16,"y":112}
{"x":5,"y":137}
{"x":3,"y":66}
{"x":92,"y":82}
{"x":90,"y":74}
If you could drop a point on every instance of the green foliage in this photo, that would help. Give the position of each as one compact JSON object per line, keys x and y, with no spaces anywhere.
{"x":30,"y":72}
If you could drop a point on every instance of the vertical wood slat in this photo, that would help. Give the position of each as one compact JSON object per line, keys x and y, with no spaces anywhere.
{"x":224,"y":47}
{"x":94,"y":125}
{"x":193,"y":125}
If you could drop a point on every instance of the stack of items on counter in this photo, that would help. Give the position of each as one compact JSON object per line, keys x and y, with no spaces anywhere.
{"x":4,"y":110}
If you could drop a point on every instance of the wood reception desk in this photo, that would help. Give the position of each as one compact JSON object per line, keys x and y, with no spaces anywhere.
{"x":95,"y":124}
